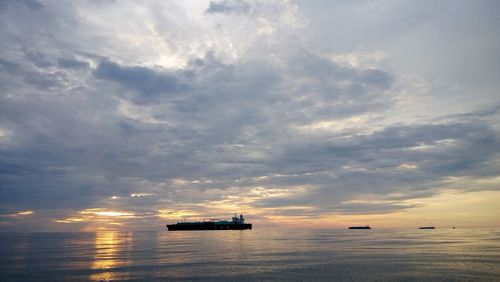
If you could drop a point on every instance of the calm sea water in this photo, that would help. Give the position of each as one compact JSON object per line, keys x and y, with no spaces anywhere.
{"x":292,"y":255}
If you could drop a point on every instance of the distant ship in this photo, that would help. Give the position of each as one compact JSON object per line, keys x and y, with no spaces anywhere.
{"x":360,"y":227}
{"x":427,"y":227}
{"x":237,"y":223}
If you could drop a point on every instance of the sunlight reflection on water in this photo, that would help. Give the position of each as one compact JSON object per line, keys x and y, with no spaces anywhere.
{"x":111,"y":251}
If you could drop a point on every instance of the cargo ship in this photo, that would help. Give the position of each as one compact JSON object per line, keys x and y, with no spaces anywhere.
{"x":427,"y":227}
{"x":237,"y":223}
{"x":360,"y":227}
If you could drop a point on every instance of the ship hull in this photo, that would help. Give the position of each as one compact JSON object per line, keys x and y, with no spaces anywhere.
{"x":427,"y":227}
{"x":360,"y":227}
{"x":208,"y":226}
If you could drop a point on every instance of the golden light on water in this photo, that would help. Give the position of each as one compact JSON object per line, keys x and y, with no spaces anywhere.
{"x":109,"y":247}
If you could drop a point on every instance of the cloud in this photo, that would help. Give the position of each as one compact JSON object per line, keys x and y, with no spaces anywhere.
{"x":16,"y":214}
{"x":8,"y":66}
{"x":31,"y":4}
{"x":72,"y":64}
{"x":228,"y":6}
{"x":151,"y":112}
{"x":145,"y":81}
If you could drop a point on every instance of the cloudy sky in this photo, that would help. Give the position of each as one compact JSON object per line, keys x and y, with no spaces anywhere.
{"x":132,"y":114}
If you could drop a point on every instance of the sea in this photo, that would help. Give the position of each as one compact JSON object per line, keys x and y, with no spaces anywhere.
{"x":266,"y":254}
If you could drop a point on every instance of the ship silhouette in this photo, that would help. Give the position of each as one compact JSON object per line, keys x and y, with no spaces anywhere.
{"x":237,"y":223}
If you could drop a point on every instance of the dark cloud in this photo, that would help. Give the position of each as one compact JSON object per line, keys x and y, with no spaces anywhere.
{"x":8,"y":66}
{"x":72,"y":64}
{"x":31,"y":4}
{"x":228,"y":6}
{"x":376,"y":78}
{"x":146,"y":82}
{"x":41,"y":80}
{"x":40,"y":60}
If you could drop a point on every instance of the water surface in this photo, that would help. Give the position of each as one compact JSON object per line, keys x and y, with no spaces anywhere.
{"x":280,"y":254}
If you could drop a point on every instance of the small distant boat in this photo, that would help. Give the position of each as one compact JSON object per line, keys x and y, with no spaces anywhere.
{"x":427,"y":227}
{"x":360,"y":227}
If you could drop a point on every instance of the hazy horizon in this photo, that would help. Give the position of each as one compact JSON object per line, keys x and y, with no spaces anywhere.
{"x":127,"y":115}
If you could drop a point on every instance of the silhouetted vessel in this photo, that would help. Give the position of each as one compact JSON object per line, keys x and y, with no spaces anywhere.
{"x":360,"y":227}
{"x":427,"y":227}
{"x":237,"y":223}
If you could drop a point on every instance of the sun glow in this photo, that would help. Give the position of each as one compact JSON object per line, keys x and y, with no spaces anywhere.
{"x":98,"y":218}
{"x":111,"y":213}
{"x":104,"y":212}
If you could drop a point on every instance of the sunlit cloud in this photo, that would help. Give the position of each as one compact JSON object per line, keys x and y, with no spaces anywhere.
{"x":110,"y":213}
{"x":366,"y":59}
{"x":99,"y":215}
{"x":177,"y":213}
{"x":72,"y":220}
{"x":4,"y":134}
{"x":404,"y":166}
{"x":18,"y":214}
{"x":468,"y":183}
{"x":103,"y":212}
{"x":140,"y":194}
{"x":28,"y":212}
{"x":182,"y":181}
{"x":362,"y":125}
{"x":438,"y":144}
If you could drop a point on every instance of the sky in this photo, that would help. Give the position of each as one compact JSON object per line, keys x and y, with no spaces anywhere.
{"x":127,"y":115}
